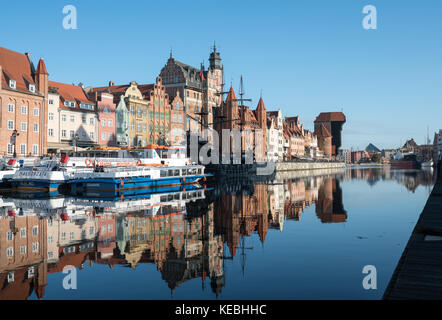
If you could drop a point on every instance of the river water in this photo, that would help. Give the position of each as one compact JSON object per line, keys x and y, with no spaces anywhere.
{"x":304,"y":235}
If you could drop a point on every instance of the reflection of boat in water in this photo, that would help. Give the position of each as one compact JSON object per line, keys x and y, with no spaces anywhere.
{"x":428,"y":164}
{"x":70,"y":207}
{"x":406,"y":161}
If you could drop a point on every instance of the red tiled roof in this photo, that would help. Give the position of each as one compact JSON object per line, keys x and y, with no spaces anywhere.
{"x":231,"y":95}
{"x":330,"y":116}
{"x":41,"y":68}
{"x":16,"y":66}
{"x":71,"y":92}
{"x":261,"y":105}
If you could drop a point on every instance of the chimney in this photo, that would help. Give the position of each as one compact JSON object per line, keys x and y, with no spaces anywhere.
{"x":111,"y":83}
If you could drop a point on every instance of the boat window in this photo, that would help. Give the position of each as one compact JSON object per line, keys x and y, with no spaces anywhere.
{"x":163,"y":198}
{"x":177,"y":172}
{"x":199,"y":171}
{"x":177,"y":196}
{"x":170,"y":173}
{"x":170,"y":197}
{"x":163,"y":173}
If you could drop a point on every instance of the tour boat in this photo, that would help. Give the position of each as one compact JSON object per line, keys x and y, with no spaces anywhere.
{"x":109,"y":172}
{"x":47,"y":176}
{"x":10,"y":166}
{"x":407,"y":161}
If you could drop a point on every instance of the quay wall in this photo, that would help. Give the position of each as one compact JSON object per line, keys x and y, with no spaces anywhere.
{"x":296,"y":166}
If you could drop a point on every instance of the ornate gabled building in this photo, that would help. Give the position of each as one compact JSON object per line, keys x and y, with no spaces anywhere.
{"x":23,"y":93}
{"x":199,"y":88}
{"x":148,"y":116}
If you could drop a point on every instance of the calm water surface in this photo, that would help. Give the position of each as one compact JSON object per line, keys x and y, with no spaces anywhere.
{"x":296,"y":237}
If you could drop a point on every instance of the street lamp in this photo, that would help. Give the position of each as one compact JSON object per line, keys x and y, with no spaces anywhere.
{"x":14,"y":136}
{"x":74,"y":141}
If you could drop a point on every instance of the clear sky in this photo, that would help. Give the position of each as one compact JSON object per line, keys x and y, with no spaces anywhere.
{"x":307,"y":56}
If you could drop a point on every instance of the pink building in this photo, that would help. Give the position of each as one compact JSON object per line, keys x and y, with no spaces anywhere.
{"x":106,"y":117}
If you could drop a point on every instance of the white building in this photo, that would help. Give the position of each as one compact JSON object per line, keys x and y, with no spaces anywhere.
{"x":276,"y":116}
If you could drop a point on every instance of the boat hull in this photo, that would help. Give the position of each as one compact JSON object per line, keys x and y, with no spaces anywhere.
{"x":398,"y":164}
{"x":120,"y":187}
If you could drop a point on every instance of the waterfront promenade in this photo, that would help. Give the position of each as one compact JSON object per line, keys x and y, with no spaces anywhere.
{"x":418,"y":274}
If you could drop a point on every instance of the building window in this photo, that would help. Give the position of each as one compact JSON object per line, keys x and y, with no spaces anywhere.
{"x":91,"y":135}
{"x":12,"y":84}
{"x":36,"y":112}
{"x":110,"y":123}
{"x":106,"y":110}
{"x":23,"y":148}
{"x":24,"y":126}
{"x":23,"y":232}
{"x":72,"y":118}
{"x":63,"y":236}
{"x":24,"y":110}
{"x":35,"y":247}
{"x":9,"y":236}
{"x":10,"y":124}
{"x":71,"y":134}
{"x":91,"y":121}
{"x":10,"y":107}
{"x":10,"y":148}
{"x":10,"y":252}
{"x":22,"y":249}
{"x":83,"y":134}
{"x":174,"y":118}
{"x":63,"y":133}
{"x":51,"y":101}
{"x":35,"y":127}
{"x":111,"y":137}
{"x":63,"y":117}
{"x":83,"y":118}
{"x":35,"y":149}
{"x":31,"y":88}
{"x":51,"y":116}
{"x":103,"y":136}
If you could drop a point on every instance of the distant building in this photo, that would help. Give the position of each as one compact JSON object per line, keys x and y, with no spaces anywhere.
{"x":332,"y":122}
{"x":437,"y":146}
{"x":371,"y":148}
{"x":345,"y":156}
{"x":324,"y":140}
{"x":276,"y":116}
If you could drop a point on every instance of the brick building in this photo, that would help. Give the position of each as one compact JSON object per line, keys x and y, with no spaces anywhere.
{"x":23,"y":105}
{"x":198,"y":87}
{"x":332,"y":122}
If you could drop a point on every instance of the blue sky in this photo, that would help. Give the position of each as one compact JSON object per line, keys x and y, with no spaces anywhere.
{"x":307,"y":56}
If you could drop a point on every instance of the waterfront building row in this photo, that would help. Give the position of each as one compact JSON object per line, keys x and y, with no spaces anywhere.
{"x":41,"y":116}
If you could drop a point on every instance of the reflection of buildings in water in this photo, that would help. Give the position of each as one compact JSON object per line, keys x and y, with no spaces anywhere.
{"x":329,"y":206}
{"x":411,"y":179}
{"x":22,"y":257}
{"x":241,"y":214}
{"x":36,"y":245}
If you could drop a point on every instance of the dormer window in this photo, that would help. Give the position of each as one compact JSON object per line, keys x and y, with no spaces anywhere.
{"x":12,"y":84}
{"x":32,"y":88}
